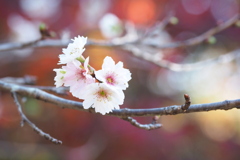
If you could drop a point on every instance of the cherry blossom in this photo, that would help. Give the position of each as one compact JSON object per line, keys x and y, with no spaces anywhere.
{"x":74,"y":50}
{"x":113,"y":75}
{"x":77,"y":77}
{"x":102,"y":97}
{"x":102,"y":89}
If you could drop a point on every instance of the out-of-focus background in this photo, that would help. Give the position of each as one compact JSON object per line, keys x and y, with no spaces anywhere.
{"x":210,"y":135}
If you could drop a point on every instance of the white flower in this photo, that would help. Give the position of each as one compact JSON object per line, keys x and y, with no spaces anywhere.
{"x":111,"y":26}
{"x":113,"y":75}
{"x":77,"y":77}
{"x":74,"y":50}
{"x":102,"y":97}
{"x":59,"y":78}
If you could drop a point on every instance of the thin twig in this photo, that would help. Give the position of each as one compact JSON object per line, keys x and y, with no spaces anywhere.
{"x":33,"y":126}
{"x":135,"y":123}
{"x":169,"y":110}
{"x":160,"y":26}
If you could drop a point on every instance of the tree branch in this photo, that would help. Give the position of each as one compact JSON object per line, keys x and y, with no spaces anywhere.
{"x":41,"y":95}
{"x":33,"y":126}
{"x":169,"y":110}
{"x":31,"y":80}
{"x":59,"y":90}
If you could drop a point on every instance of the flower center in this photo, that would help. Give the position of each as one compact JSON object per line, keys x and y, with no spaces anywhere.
{"x":81,"y":74}
{"x":102,"y":93}
{"x":110,"y":79}
{"x":75,"y":50}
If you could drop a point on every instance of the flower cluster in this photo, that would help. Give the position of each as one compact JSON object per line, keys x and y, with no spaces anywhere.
{"x":102,"y":89}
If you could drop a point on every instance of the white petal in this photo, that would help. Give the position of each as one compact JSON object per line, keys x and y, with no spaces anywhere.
{"x":87,"y":103}
{"x":99,"y":108}
{"x":108,"y":107}
{"x":77,"y":63}
{"x":78,"y":89}
{"x":90,"y":90}
{"x":119,"y":65}
{"x":100,"y":75}
{"x":108,"y":62}
{"x":119,"y":95}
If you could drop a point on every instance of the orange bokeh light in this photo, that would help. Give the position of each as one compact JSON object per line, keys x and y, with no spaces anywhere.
{"x":141,"y":12}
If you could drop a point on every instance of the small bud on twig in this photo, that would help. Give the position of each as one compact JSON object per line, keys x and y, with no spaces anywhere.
{"x":212,"y":40}
{"x":173,"y":20}
{"x":155,"y":119}
{"x":45,"y":31}
{"x":187,"y":102}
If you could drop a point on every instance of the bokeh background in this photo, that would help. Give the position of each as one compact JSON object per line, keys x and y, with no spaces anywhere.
{"x":210,"y":135}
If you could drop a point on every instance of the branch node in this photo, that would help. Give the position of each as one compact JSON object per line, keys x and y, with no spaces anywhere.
{"x":155,"y":119}
{"x":187,"y":102}
{"x":22,"y":122}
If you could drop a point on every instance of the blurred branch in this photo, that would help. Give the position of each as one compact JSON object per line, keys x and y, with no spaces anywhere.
{"x":58,"y":90}
{"x":135,"y":123}
{"x":14,"y":46}
{"x":33,"y":126}
{"x":199,"y":39}
{"x":34,"y":44}
{"x":64,"y":43}
{"x":159,"y":26}
{"x":122,"y":113}
{"x":156,"y":59}
{"x":30,"y":80}
{"x":59,"y":43}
